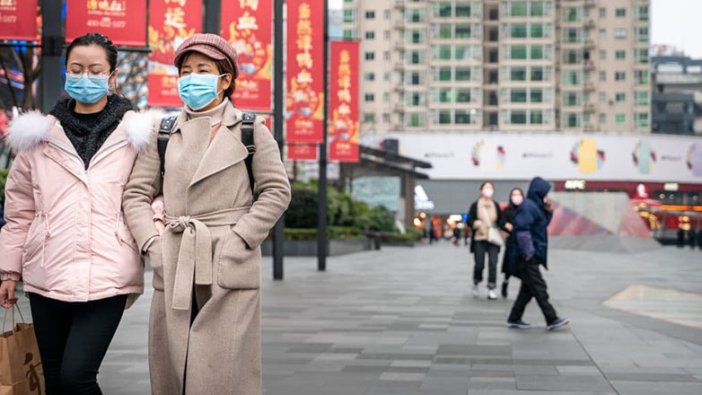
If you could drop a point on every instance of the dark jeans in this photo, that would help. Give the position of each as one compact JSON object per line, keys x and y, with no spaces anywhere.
{"x":480,"y":249}
{"x":533,"y":286}
{"x":73,"y":339}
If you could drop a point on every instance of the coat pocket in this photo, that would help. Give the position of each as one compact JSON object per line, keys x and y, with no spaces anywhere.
{"x":36,"y":241}
{"x":124,"y":236}
{"x":239,"y":267}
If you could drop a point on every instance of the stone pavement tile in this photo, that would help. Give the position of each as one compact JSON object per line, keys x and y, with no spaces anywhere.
{"x":455,"y":385}
{"x":649,"y":388}
{"x":652,"y":377}
{"x":563,"y":383}
{"x":578,"y":371}
{"x":517,"y":392}
{"x":492,"y":383}
{"x":393,"y":376}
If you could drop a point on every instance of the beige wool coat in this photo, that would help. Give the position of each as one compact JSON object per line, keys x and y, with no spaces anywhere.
{"x":210,"y":249}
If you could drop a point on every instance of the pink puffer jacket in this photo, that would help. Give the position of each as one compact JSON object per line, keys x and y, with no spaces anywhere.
{"x":65,"y":235}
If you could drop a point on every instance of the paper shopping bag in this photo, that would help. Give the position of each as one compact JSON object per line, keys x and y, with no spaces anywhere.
{"x":20,"y":364}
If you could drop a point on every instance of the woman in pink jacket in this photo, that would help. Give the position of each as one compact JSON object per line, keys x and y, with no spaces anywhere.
{"x":65,"y":236}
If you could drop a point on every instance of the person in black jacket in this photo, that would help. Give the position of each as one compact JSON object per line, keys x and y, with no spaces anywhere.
{"x":484,"y":214}
{"x":531,"y":230}
{"x":510,"y":260}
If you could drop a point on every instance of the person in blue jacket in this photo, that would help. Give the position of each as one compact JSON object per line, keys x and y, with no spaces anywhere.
{"x":531,"y":229}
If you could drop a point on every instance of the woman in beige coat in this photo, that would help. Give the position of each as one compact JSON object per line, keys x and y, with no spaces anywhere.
{"x":204,"y":331}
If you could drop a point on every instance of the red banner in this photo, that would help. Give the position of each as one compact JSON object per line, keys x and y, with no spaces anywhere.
{"x":170,"y":23}
{"x":305,"y":71}
{"x":123,"y":21}
{"x":303,"y":152}
{"x":18,"y":20}
{"x":247,"y":25}
{"x":344,"y":118}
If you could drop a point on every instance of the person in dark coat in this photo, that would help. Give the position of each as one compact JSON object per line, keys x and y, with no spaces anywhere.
{"x":510,"y":260}
{"x":531,"y":222}
{"x":484,"y":214}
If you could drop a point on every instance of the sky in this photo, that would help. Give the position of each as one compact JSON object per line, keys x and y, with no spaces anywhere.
{"x":673,"y":22}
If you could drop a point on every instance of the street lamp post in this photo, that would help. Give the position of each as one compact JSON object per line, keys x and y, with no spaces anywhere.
{"x":278,"y":120}
{"x":322,"y":242}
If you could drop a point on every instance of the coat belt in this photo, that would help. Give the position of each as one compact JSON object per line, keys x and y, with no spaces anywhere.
{"x":195,"y":253}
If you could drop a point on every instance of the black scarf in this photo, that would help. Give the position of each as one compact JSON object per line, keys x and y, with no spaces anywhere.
{"x":87,"y":140}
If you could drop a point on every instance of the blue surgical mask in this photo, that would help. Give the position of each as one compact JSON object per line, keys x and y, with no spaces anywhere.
{"x":198,"y":90}
{"x":87,"y":88}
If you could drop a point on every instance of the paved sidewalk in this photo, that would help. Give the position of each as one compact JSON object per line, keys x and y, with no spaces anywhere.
{"x":401,"y":321}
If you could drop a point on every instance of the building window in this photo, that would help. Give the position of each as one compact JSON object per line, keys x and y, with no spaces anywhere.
{"x":518,"y":96}
{"x":349,"y":16}
{"x":348,"y":34}
{"x":620,"y":119}
{"x":386,"y":118}
{"x":573,"y":78}
{"x":643,"y":99}
{"x":370,"y":14}
{"x":620,"y":76}
{"x":370,"y":35}
{"x":519,"y":8}
{"x":537,"y":52}
{"x":461,"y":117}
{"x":642,"y":56}
{"x":386,"y":14}
{"x":386,"y":97}
{"x":444,"y":117}
{"x":387,"y":35}
{"x":445,"y":96}
{"x":537,"y":95}
{"x":572,"y":56}
{"x":386,"y":55}
{"x":415,"y":120}
{"x":642,"y":120}
{"x":445,"y":31}
{"x":463,"y":10}
{"x":369,"y":117}
{"x":519,"y":30}
{"x":603,"y":76}
{"x":603,"y":98}
{"x":443,"y":52}
{"x":370,"y":55}
{"x":537,"y":8}
{"x":620,"y":34}
{"x":416,"y":57}
{"x":642,"y":34}
{"x":572,"y":99}
{"x":620,"y":97}
{"x":463,"y":32}
{"x":603,"y":33}
{"x":463,"y":74}
{"x":620,"y":55}
{"x":603,"y":54}
{"x":518,"y":52}
{"x":369,"y":76}
{"x":518,"y":74}
{"x":537,"y":30}
{"x":620,"y":12}
{"x":603,"y":12}
{"x":642,"y":77}
{"x":518,"y":118}
{"x":573,"y":120}
{"x":444,"y":10}
{"x":536,"y":117}
{"x":572,"y":14}
{"x":463,"y":96}
{"x":369,"y":97}
{"x":537,"y":74}
{"x":415,"y":78}
{"x":642,"y":13}
{"x":572,"y":35}
{"x":444,"y":74}
{"x":386,"y":76}
{"x":416,"y":37}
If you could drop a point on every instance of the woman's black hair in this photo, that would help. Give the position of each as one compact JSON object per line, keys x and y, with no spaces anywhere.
{"x":520,"y":190}
{"x":486,"y":183}
{"x":99,"y":40}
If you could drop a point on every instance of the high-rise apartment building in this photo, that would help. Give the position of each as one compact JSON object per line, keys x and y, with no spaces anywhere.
{"x":508,"y":65}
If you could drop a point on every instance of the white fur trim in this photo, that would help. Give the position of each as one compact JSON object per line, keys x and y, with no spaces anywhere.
{"x":139,"y":126}
{"x":28,"y":130}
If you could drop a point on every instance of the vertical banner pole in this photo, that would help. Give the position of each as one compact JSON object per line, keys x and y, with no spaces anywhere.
{"x":211,"y":19}
{"x":323,"y":243}
{"x":278,"y":121}
{"x":51,"y":48}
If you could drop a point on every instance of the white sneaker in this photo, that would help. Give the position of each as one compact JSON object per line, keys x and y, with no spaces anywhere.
{"x":492,"y":295}
{"x":476,"y":291}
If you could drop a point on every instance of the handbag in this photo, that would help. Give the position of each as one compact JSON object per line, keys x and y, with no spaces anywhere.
{"x":494,"y":235}
{"x":21,"y":372}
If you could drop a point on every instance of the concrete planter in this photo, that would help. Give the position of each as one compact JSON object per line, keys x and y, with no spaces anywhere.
{"x":309,"y":247}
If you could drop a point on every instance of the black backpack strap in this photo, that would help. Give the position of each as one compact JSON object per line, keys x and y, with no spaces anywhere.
{"x":247,"y":138}
{"x":164,"y":134}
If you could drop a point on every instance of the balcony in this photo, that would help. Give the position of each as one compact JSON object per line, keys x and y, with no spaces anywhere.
{"x":589,"y":65}
{"x":400,"y":4}
{"x":399,"y":24}
{"x":589,"y":108}
{"x":590,"y":3}
{"x":590,"y":127}
{"x":589,"y":43}
{"x":399,"y":66}
{"x":589,"y":87}
{"x":400,"y":87}
{"x":590,"y":23}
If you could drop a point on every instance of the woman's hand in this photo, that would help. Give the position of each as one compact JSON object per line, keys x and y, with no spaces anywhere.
{"x":477,"y":224}
{"x":160,"y":226}
{"x":509,"y":227}
{"x":7,"y":293}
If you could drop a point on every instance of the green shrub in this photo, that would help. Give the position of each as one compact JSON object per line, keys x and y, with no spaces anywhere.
{"x":3,"y":180}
